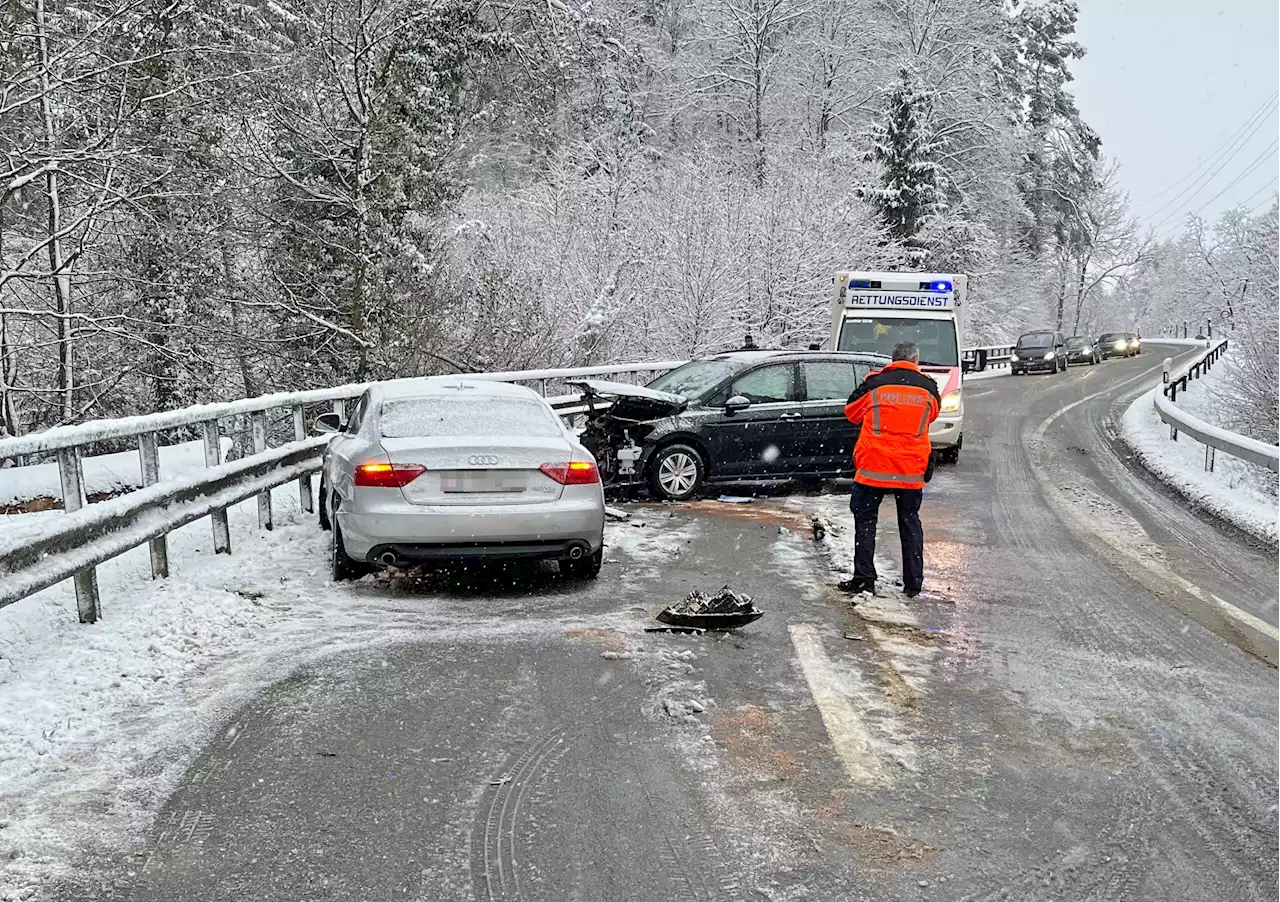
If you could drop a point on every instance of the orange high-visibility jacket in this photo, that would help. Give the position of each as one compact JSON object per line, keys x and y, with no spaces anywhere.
{"x":894,"y":406}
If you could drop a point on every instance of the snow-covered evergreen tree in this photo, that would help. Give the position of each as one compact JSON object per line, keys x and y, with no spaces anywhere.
{"x":907,"y":192}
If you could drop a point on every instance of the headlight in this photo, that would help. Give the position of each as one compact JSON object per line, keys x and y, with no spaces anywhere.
{"x":1050,"y":355}
{"x":1015,"y":358}
{"x":951,"y":402}
{"x":1119,"y":345}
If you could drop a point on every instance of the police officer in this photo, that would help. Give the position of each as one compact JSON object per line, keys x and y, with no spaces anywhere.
{"x":893,"y":408}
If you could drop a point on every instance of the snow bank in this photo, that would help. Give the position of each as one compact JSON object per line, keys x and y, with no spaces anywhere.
{"x":103,"y":475}
{"x":1240,"y":493}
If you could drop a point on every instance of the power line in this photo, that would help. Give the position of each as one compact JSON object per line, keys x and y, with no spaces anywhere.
{"x":1210,"y":159}
{"x":1205,"y":178}
{"x":1268,"y":188}
{"x":1257,"y":161}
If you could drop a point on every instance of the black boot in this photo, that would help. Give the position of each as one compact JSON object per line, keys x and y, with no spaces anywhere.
{"x":856,"y":586}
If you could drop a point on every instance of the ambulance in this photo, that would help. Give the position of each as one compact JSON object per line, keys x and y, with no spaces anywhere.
{"x":873,"y":311}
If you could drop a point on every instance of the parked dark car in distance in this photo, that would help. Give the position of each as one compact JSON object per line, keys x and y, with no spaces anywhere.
{"x":1082,"y":349}
{"x":1044,"y":350}
{"x":739,"y":416}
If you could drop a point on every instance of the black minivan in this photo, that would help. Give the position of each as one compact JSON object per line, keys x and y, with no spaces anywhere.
{"x":1044,"y":351}
{"x":740,"y":416}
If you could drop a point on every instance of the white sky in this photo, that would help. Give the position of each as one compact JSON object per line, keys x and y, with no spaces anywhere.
{"x":1168,"y":83}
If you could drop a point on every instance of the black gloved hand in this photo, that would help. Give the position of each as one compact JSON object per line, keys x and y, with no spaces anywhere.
{"x":928,"y":470}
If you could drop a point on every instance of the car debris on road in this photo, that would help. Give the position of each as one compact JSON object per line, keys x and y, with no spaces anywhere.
{"x":724,"y":610}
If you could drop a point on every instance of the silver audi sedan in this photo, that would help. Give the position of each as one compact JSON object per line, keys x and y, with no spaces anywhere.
{"x":446,"y":470}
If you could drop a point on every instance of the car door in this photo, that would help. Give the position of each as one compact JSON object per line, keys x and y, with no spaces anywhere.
{"x":827,"y":436}
{"x":764,"y":438}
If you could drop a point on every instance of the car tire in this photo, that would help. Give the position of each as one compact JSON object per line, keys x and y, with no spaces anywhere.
{"x":342,"y":567}
{"x":584,"y":568}
{"x":951,"y":455}
{"x":322,"y":505}
{"x":676,"y":472}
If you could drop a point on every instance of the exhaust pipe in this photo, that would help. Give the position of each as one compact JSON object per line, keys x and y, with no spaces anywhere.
{"x":575,"y":553}
{"x":388,"y":557}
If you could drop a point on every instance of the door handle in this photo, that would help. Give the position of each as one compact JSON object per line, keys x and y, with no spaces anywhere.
{"x":791,"y":416}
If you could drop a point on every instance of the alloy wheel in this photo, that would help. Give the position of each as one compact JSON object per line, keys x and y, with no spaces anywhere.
{"x":678,"y":473}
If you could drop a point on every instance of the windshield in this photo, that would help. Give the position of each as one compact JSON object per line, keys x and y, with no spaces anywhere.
{"x":936,"y":338}
{"x":1113,"y":336}
{"x":1036,"y":340}
{"x":458,"y":418}
{"x":1079,"y":341}
{"x":696,"y":377}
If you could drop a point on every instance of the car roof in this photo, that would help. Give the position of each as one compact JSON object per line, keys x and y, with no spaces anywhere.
{"x":448,"y":387}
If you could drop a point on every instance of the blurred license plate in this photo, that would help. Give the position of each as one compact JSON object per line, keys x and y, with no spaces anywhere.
{"x":485,"y":481}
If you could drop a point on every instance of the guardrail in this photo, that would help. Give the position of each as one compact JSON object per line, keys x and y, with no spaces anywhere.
{"x":90,"y":535}
{"x":1214,"y":438}
{"x":277,"y":450}
{"x":975,"y":360}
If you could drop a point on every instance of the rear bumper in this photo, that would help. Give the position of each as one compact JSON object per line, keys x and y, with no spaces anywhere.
{"x":459,"y":532}
{"x":415,"y":553}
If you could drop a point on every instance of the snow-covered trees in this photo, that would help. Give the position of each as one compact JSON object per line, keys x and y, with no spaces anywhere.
{"x":1221,"y":279}
{"x":207,"y":200}
{"x":905,"y":150}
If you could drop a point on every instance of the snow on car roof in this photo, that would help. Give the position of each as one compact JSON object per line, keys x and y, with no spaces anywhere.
{"x":449,"y":386}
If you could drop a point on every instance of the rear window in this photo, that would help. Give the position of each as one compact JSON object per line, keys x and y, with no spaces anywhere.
{"x":1036,"y":340}
{"x":465,"y":417}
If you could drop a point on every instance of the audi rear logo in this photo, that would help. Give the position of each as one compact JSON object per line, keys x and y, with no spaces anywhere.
{"x":482,"y":460}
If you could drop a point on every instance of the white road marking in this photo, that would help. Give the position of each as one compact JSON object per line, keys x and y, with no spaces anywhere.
{"x":1253,"y":634}
{"x":849,"y":736}
{"x":979,"y":394}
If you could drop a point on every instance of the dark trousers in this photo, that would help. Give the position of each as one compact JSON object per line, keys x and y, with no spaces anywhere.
{"x":865,"y":505}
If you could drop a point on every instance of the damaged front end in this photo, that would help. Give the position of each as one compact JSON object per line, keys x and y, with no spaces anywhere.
{"x":619,"y":420}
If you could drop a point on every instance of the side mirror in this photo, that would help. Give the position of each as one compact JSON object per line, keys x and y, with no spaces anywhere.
{"x":736,"y":404}
{"x":328,"y":422}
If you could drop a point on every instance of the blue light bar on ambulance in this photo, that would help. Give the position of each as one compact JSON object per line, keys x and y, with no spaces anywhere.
{"x":935,"y":286}
{"x":863,"y":283}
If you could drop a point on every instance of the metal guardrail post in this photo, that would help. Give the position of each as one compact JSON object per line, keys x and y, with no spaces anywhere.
{"x":1170,"y":390}
{"x":213,"y":458}
{"x":150,"y":459}
{"x":259,"y":420}
{"x":1210,"y":454}
{"x":304,"y":482}
{"x":71,"y":476}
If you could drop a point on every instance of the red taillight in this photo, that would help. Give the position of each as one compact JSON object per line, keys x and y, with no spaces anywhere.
{"x":388,"y":476}
{"x":576,"y":472}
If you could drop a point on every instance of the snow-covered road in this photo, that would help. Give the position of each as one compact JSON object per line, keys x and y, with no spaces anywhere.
{"x":1051,"y":725}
